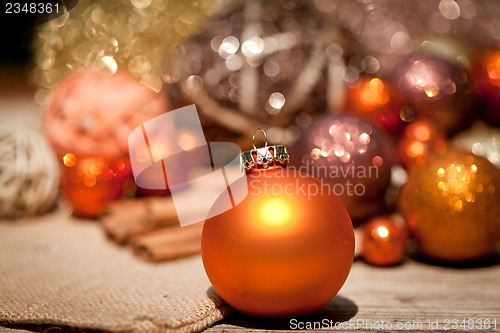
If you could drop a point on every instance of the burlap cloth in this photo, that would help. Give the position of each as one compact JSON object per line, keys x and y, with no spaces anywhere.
{"x":63,"y":271}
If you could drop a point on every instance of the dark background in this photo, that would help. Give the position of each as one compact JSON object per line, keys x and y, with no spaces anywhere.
{"x":17,"y":31}
{"x":16,"y":35}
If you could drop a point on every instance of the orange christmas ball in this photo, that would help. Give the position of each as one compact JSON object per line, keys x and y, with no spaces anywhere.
{"x":286,"y":250}
{"x":421,"y":138}
{"x":384,"y":242}
{"x":486,"y":78}
{"x":91,"y":182}
{"x":378,"y":100}
{"x":450,"y":204}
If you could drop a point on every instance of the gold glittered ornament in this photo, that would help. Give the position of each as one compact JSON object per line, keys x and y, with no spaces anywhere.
{"x":451,"y":205}
{"x":137,"y":36}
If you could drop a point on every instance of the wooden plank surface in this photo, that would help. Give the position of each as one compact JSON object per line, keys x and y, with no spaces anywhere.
{"x":410,"y":297}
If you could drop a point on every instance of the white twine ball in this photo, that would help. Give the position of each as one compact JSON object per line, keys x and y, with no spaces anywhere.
{"x":29,"y":172}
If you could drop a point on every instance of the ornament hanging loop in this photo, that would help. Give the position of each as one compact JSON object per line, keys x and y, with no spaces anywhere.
{"x":253,"y":137}
{"x":264,"y":158}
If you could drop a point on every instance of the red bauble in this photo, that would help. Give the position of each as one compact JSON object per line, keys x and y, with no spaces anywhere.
{"x":420,"y":139}
{"x":378,"y":100}
{"x":351,"y":156}
{"x":486,"y":76}
{"x":283,"y":251}
{"x":384,"y":242}
{"x":90,"y":182}
{"x":439,"y":91}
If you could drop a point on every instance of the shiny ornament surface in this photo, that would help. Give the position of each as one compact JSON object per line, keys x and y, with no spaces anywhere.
{"x":383,"y":242}
{"x":349,"y":155}
{"x":283,"y":251}
{"x":450,"y":204}
{"x":420,"y":139}
{"x":91,"y":113}
{"x":260,"y":64}
{"x":378,"y":100}
{"x":481,"y":140}
{"x":439,"y":90}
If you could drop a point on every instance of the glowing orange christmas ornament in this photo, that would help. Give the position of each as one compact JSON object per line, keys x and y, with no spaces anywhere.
{"x":90,"y":182}
{"x":384,"y":242}
{"x":450,"y":204}
{"x":378,"y":100}
{"x":486,"y":78}
{"x":420,"y":139}
{"x":280,"y":252}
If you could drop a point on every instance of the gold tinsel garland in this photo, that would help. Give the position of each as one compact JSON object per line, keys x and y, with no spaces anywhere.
{"x":108,"y":35}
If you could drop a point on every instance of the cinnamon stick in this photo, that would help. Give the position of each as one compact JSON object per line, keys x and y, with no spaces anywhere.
{"x":126,"y":218}
{"x":168,"y":243}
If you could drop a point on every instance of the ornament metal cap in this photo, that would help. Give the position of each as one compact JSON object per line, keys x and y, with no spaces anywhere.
{"x":267,"y":157}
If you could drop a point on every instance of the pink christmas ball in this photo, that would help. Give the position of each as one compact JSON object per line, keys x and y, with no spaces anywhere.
{"x":352,"y":158}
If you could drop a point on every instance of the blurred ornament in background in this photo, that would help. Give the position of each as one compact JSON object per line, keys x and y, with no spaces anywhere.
{"x":112,"y":36}
{"x":389,"y":30}
{"x":420,"y":139}
{"x":438,"y":90}
{"x":383,"y":241}
{"x":88,"y":122}
{"x":91,"y":182}
{"x":450,"y":204}
{"x":349,"y":154}
{"x":91,"y":113}
{"x":29,"y":173}
{"x":380,"y":27}
{"x":260,"y":64}
{"x":486,"y":76}
{"x":481,"y":140}
{"x":378,"y":100}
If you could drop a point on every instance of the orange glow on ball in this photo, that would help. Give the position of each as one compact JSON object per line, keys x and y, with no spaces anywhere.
{"x":373,"y":94}
{"x":422,"y":132}
{"x":380,"y":232}
{"x":493,"y":69}
{"x":420,"y":139}
{"x":275,"y":212}
{"x":415,"y":149}
{"x":279,"y":254}
{"x":69,"y":160}
{"x":375,"y":98}
{"x":486,"y":79}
